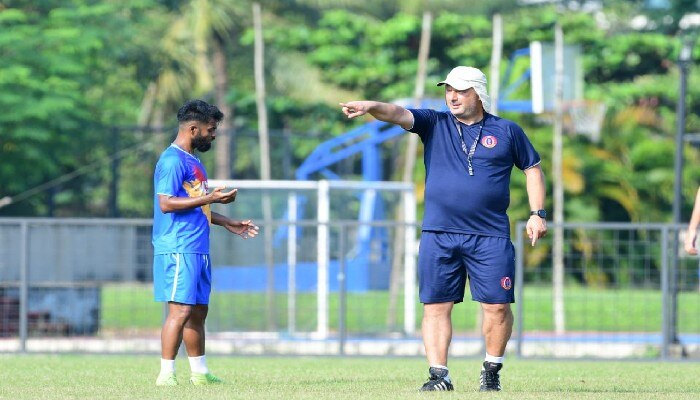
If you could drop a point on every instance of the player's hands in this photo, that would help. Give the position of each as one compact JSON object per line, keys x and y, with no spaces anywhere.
{"x":245,"y":229}
{"x":690,"y":242}
{"x":536,"y":228}
{"x":219,"y":196}
{"x":354,"y":109}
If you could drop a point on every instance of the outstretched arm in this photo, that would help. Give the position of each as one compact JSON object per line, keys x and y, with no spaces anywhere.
{"x":693,"y":226}
{"x":245,"y":229}
{"x":534,"y":181}
{"x":382,"y":111}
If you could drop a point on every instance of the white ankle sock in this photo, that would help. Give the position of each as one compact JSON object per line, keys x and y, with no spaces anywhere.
{"x":167,"y":366}
{"x":199,"y":364}
{"x":494,"y":359}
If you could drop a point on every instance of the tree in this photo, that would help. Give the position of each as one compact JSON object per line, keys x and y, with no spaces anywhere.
{"x":68,"y":69}
{"x":197,"y":50}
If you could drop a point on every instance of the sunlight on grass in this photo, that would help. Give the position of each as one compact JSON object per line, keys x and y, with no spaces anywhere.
{"x":133,"y":377}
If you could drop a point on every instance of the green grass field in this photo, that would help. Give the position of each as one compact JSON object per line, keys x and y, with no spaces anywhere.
{"x":632,"y":310}
{"x":132,"y":377}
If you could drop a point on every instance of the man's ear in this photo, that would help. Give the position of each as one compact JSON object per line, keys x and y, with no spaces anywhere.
{"x":192,"y":128}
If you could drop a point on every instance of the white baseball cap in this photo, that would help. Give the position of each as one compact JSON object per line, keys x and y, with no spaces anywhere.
{"x":463,"y":78}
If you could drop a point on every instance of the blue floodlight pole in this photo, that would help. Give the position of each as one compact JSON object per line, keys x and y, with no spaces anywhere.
{"x":684,"y":61}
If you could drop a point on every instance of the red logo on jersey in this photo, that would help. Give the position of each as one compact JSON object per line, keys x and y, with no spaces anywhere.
{"x":506,"y":283}
{"x":489,"y":141}
{"x":201,"y":177}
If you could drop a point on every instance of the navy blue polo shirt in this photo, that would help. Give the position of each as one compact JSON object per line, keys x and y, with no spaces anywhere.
{"x":454,"y":200}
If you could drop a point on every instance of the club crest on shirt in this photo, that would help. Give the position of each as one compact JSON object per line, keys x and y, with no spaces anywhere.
{"x":506,"y":283}
{"x":489,"y":141}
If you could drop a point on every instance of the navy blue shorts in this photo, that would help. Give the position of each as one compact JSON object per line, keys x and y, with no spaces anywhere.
{"x":446,"y":260}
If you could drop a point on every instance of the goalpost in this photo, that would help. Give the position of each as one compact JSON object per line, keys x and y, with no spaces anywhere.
{"x":324,"y":205}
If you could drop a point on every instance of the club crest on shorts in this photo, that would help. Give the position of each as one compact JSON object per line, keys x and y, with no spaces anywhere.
{"x":506,"y":283}
{"x":489,"y":141}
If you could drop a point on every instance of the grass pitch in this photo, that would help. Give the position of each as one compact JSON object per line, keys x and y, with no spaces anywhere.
{"x":132,"y":377}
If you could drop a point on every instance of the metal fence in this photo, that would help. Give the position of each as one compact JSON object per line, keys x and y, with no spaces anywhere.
{"x":84,"y":285}
{"x":628,"y":290}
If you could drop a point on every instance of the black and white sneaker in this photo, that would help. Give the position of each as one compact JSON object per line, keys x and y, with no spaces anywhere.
{"x":490,"y":379}
{"x":438,"y":381}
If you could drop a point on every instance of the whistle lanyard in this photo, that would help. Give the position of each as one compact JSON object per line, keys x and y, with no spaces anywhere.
{"x":472,"y":150}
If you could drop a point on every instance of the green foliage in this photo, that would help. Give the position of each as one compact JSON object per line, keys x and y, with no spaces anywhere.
{"x":67,"y":71}
{"x":461,"y":41}
{"x":630,"y":56}
{"x":73,"y":69}
{"x":359,"y":52}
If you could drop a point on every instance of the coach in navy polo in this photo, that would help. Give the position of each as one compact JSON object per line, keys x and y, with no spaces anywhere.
{"x":468,"y":157}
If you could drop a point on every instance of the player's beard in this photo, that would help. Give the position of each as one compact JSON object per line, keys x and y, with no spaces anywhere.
{"x":201,"y":143}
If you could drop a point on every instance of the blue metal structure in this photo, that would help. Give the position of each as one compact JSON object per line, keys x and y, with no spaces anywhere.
{"x":365,"y":140}
{"x":504,"y":103}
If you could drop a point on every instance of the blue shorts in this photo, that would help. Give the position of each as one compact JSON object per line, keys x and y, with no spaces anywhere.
{"x":446,"y":260}
{"x":182,"y":278}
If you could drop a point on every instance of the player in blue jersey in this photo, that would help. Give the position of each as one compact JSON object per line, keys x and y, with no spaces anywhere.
{"x":468,"y":157}
{"x":181,"y":219}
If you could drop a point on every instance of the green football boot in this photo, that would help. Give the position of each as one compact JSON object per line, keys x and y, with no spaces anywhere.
{"x":166,"y":379}
{"x":204,"y":379}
